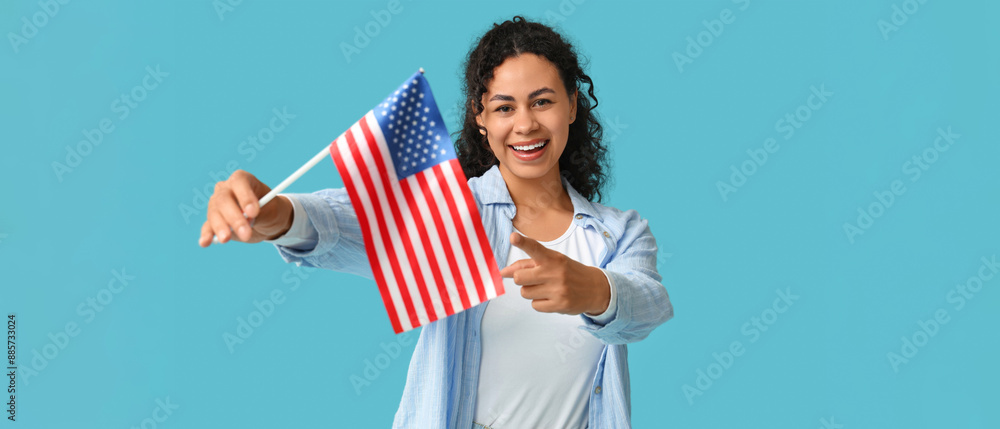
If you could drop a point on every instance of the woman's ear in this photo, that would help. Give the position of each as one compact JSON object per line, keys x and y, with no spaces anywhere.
{"x":479,"y":121}
{"x":482,"y":130}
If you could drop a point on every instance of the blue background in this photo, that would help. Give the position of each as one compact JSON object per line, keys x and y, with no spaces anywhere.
{"x":677,"y":133}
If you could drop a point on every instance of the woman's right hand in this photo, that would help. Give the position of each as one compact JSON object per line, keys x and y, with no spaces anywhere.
{"x":239,"y":195}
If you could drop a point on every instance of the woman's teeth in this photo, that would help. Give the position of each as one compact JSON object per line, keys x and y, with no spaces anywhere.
{"x":530,"y":147}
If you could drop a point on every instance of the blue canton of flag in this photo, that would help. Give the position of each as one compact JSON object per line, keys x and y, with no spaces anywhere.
{"x":413,"y":128}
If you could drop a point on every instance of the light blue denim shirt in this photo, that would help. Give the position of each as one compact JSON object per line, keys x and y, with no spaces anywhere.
{"x":443,"y":375}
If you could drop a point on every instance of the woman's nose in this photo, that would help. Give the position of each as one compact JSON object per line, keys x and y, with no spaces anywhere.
{"x":525,"y":122}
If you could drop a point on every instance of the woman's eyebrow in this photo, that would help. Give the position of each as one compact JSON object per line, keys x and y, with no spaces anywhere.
{"x":535,"y":93}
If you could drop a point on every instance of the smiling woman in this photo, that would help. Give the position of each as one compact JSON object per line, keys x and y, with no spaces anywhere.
{"x":529,"y":130}
{"x":523,"y":48}
{"x":531,"y":148}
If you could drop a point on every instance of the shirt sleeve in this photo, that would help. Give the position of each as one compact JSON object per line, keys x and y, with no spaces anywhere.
{"x":302,"y":234}
{"x":642,"y":301}
{"x":339,"y":242}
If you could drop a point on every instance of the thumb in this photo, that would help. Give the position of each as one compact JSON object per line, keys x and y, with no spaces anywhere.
{"x":259,"y":189}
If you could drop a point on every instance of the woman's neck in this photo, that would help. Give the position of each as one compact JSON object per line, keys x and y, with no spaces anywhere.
{"x":538,"y":195}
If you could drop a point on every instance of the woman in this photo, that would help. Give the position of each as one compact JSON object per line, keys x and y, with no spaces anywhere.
{"x":580,"y":277}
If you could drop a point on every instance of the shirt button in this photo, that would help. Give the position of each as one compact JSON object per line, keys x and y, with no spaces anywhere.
{"x":606,"y":234}
{"x":597,"y":390}
{"x":579,"y":216}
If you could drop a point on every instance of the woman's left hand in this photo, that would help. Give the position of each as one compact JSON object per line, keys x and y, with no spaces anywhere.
{"x":555,"y":283}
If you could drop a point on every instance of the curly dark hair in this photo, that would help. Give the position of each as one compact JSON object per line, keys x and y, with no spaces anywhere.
{"x":583,"y":161}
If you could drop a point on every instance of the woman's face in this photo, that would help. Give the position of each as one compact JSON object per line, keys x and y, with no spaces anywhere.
{"x":526,"y":106}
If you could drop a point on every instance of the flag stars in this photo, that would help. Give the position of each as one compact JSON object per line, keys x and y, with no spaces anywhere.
{"x":432,"y":123}
{"x":437,"y":138}
{"x":421,"y":95}
{"x":427,"y":109}
{"x":423,"y":159}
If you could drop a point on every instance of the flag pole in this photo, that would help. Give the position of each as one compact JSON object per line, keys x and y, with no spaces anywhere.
{"x":291,"y":179}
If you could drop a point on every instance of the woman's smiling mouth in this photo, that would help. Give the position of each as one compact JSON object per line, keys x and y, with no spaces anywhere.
{"x":530,"y":150}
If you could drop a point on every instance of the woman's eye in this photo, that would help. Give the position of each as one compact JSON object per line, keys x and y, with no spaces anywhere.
{"x":543,"y":101}
{"x":503,"y":109}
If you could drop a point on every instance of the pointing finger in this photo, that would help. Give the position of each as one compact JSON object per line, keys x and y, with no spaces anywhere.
{"x":533,"y":248}
{"x":517,"y":265}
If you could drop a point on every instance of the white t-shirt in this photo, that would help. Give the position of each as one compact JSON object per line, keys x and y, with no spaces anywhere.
{"x":537,"y":368}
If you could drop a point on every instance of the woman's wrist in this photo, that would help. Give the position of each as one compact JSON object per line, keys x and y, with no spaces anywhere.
{"x":602,"y":293}
{"x":285,"y":216}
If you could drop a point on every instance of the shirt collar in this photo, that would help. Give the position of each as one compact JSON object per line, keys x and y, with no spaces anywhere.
{"x":493,"y":190}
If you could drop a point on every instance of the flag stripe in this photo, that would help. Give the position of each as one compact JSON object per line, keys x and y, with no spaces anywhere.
{"x":376,"y":234}
{"x":380,"y":215}
{"x":478,"y":261}
{"x":475,"y":222}
{"x":422,"y":249}
{"x":359,"y":209}
{"x":425,"y":242}
{"x":449,"y":294}
{"x":380,"y":251}
{"x":391,"y":186}
{"x":443,"y":232}
{"x":466,"y":250}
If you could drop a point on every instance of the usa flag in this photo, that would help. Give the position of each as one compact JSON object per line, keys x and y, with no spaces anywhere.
{"x":423,"y":233}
